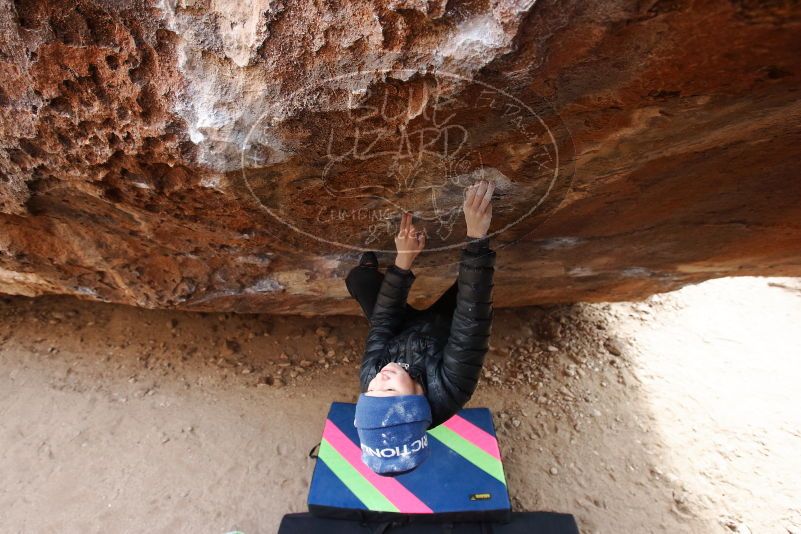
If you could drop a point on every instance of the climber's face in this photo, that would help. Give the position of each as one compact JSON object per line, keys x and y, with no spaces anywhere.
{"x":393,"y":380}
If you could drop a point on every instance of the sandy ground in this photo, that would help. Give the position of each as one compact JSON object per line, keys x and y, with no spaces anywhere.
{"x":675,"y":414}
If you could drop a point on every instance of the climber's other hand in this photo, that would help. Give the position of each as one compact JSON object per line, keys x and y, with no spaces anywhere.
{"x":478,"y":208}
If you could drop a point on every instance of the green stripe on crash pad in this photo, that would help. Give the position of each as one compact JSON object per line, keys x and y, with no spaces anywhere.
{"x":353,"y":480}
{"x":469,"y":452}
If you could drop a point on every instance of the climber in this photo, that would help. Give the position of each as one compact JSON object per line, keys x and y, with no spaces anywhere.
{"x":421,"y":366}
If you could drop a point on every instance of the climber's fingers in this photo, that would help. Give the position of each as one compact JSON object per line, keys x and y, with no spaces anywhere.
{"x":487,"y":198}
{"x":469,"y":196}
{"x":406,"y":220}
{"x":481,"y":189}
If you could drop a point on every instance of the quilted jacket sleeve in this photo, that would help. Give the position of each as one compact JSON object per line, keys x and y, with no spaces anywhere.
{"x":468,"y":342}
{"x":387,"y":319}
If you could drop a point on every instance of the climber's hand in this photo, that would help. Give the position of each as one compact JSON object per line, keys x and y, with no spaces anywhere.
{"x":478,"y":208}
{"x":409,"y":242}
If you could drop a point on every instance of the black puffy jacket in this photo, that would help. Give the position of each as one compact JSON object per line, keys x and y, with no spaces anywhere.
{"x":446,"y":363}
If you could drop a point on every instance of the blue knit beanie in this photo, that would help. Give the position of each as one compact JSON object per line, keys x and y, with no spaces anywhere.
{"x":392,"y":431}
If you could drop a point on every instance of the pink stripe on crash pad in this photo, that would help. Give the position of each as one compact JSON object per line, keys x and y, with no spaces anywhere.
{"x":403,"y":499}
{"x":475,"y":435}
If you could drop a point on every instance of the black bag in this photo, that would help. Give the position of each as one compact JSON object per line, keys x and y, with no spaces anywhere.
{"x":521,"y":523}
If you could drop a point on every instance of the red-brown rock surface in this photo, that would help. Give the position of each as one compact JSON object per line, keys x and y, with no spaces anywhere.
{"x":222,"y":155}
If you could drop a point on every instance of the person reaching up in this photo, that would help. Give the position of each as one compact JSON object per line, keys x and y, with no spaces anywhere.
{"x":420,"y":367}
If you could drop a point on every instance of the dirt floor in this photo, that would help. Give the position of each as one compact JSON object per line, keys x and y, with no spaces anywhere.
{"x":676,"y":414}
